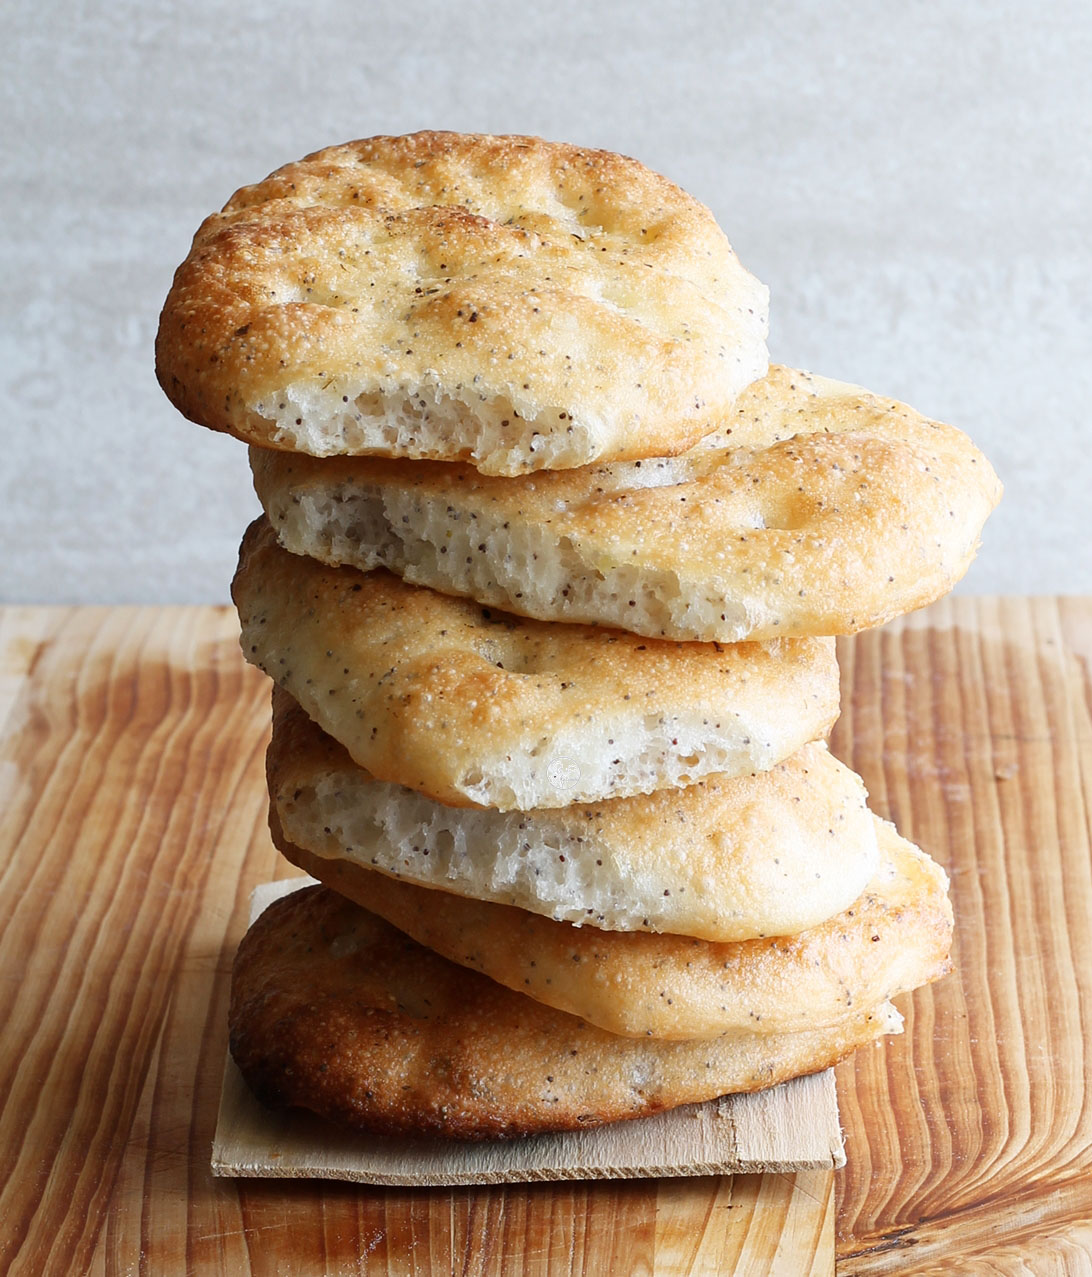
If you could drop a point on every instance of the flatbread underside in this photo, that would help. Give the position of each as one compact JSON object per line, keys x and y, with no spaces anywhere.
{"x":721,"y":860}
{"x":850,"y":510}
{"x":895,"y":937}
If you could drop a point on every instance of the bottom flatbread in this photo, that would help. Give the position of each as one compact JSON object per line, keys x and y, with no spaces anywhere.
{"x":335,"y":1011}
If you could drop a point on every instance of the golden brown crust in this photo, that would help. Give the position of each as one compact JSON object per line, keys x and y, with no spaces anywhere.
{"x":721,"y":860}
{"x":473,"y":707}
{"x":817,"y":508}
{"x":893,"y":938}
{"x":443,"y":277}
{"x":335,"y":1011}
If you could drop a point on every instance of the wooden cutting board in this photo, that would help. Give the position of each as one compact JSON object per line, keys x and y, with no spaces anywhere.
{"x":133,"y":830}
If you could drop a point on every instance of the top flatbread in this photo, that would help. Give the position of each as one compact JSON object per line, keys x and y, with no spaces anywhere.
{"x":506,"y":301}
{"x":817,"y":508}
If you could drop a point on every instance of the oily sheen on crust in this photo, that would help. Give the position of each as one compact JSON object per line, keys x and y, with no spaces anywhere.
{"x":472,"y":707}
{"x":723,"y":859}
{"x":895,"y":937}
{"x":816,"y":508}
{"x":514,"y":303}
{"x":335,"y":1011}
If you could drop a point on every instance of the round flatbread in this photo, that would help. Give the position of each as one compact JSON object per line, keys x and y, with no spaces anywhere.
{"x":506,"y":301}
{"x":817,"y":508}
{"x":893,"y":938}
{"x":723,"y":859}
{"x":472,"y":707}
{"x":335,"y":1011}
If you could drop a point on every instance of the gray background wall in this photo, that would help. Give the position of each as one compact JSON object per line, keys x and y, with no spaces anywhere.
{"x":913,"y":180}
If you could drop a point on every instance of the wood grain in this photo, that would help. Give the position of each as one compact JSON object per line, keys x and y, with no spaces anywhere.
{"x":133,"y":831}
{"x":969,"y":1140}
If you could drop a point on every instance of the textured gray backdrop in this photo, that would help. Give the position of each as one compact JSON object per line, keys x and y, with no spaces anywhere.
{"x":912,"y":180}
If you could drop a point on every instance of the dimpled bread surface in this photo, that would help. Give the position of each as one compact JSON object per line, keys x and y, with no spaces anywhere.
{"x":514,"y":303}
{"x":893,"y":938}
{"x":472,"y":707}
{"x":335,"y":1011}
{"x":816,"y":508}
{"x":723,"y":859}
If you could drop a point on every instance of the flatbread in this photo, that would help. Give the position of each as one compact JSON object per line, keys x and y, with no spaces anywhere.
{"x":723,"y":859}
{"x":506,"y":301}
{"x":817,"y":508}
{"x":893,"y":938}
{"x":472,"y":707}
{"x":335,"y":1011}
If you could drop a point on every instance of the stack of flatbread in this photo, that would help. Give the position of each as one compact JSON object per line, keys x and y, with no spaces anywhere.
{"x":547,"y":580}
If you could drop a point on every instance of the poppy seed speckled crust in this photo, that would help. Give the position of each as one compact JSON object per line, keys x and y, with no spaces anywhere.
{"x":722,"y":859}
{"x":815,"y":508}
{"x":478,"y":708}
{"x":514,"y":303}
{"x":895,"y":936}
{"x":335,"y":1011}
